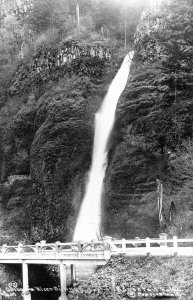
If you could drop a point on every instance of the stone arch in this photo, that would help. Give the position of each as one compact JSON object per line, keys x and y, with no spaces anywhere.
{"x":65,"y":247}
{"x":47,"y":248}
{"x":11,"y":250}
{"x":27,"y":249}
{"x":93,"y":247}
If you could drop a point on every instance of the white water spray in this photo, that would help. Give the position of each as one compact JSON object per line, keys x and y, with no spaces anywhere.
{"x":88,"y":224}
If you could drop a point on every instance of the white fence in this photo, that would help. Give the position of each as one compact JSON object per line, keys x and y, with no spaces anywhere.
{"x":100,"y":249}
{"x":155,"y":247}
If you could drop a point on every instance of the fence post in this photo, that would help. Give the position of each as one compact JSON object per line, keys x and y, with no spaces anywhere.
{"x":19,"y":247}
{"x":38,"y":245}
{"x":163,"y":237}
{"x":124,"y":246}
{"x":4,"y":248}
{"x":148,"y":246}
{"x":175,"y":245}
{"x":107,"y":247}
{"x":137,"y":239}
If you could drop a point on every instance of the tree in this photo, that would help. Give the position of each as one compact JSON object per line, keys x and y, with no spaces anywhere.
{"x":159,"y":103}
{"x":46,"y":14}
{"x":11,"y":35}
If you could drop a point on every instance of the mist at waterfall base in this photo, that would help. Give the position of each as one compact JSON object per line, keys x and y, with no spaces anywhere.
{"x":88,"y":223}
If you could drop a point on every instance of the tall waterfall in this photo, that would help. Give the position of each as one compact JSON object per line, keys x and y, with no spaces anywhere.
{"x":88,"y":224}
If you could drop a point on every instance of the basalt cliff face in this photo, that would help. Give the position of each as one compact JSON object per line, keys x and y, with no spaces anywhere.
{"x":154,"y":121}
{"x":51,"y":62}
{"x":49,"y":141}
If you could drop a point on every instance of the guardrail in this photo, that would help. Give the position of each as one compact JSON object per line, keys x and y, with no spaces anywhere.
{"x":98,"y":249}
{"x":53,"y":247}
{"x":156,"y":247}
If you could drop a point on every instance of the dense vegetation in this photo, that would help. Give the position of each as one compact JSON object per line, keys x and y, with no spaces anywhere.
{"x":54,"y":75}
{"x":139,"y":278}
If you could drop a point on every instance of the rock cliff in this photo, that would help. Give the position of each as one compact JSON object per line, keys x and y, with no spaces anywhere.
{"x":50,"y":138}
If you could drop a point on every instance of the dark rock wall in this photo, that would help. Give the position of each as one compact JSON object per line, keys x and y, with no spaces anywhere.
{"x":50,"y":138}
{"x":72,"y":57}
{"x":60,"y":153}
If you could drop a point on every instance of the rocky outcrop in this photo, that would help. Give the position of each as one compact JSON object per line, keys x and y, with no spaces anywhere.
{"x":70,"y":57}
{"x":60,"y":153}
{"x":50,"y":139}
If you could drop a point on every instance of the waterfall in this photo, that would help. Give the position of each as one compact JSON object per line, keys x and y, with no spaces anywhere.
{"x":88,"y":223}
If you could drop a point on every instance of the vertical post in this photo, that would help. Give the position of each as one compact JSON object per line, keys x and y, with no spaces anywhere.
{"x":20,"y":247}
{"x":37,"y":247}
{"x":163,"y":237}
{"x":63,"y":281}
{"x":148,"y":246}
{"x":175,"y":245}
{"x":137,"y":239}
{"x":26,"y":293}
{"x":4,"y":247}
{"x":124,"y":245}
{"x":73,"y":274}
{"x":107,"y":247}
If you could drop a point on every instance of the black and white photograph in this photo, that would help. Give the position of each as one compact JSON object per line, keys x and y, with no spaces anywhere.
{"x":96,"y":149}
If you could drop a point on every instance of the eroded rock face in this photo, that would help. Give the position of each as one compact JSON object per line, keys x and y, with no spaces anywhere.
{"x":70,"y":57}
{"x":60,"y":157}
{"x":50,"y":139}
{"x":59,"y":152}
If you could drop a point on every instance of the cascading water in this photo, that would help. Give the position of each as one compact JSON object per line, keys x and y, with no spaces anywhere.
{"x":88,"y":224}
